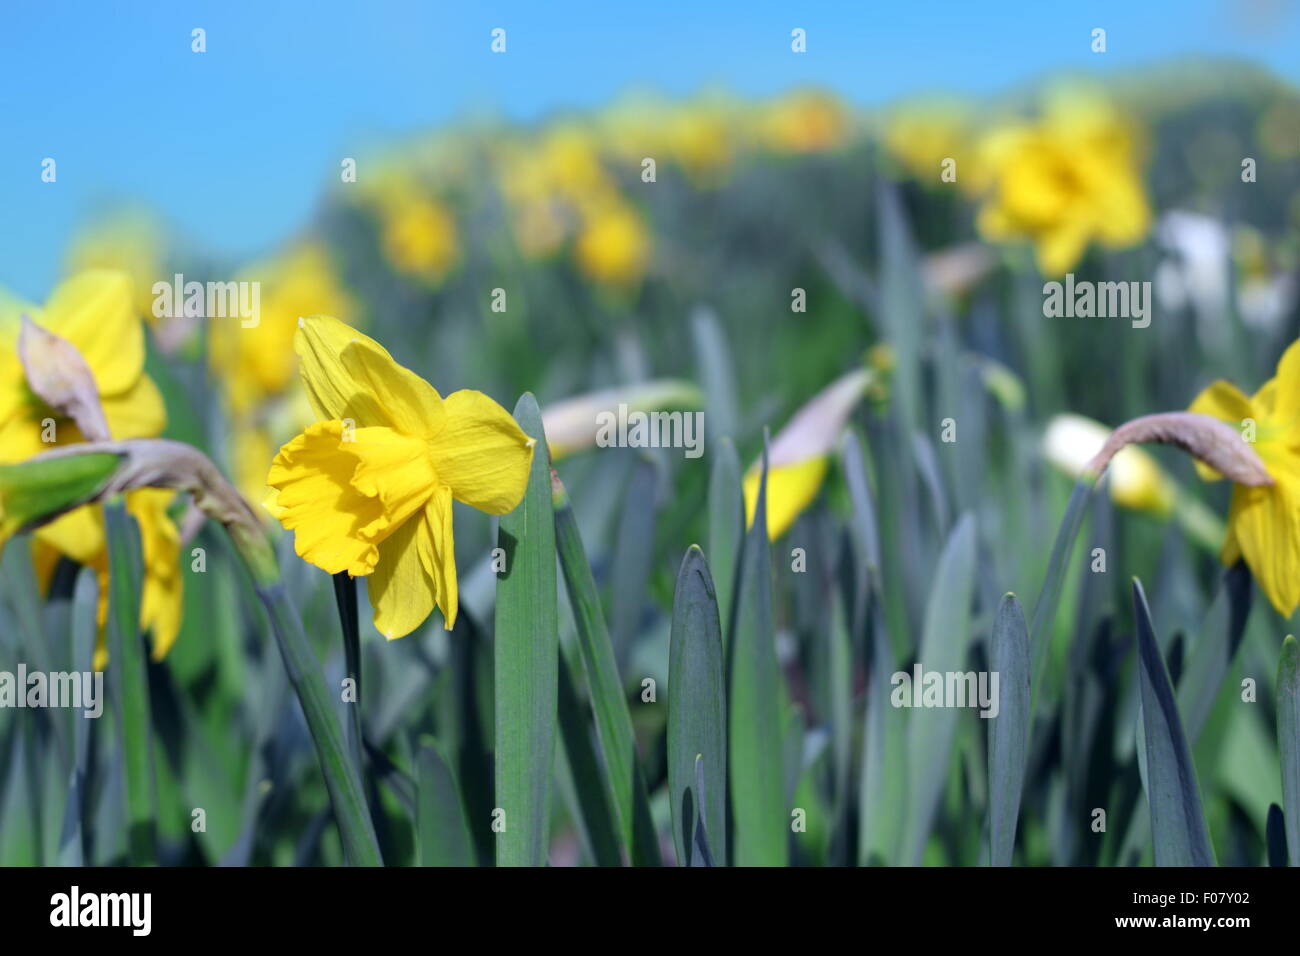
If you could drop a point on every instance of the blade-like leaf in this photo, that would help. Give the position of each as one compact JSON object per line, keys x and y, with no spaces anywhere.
{"x":1179,"y":834}
{"x":697,"y":715}
{"x":526,"y":661}
{"x":444,"y":832}
{"x":755,"y":731}
{"x":1288,"y":741}
{"x":726,"y":526}
{"x":1009,"y":730}
{"x":943,"y":649}
{"x":609,"y":702}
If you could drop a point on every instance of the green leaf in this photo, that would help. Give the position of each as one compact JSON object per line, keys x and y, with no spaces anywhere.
{"x":609,"y":702}
{"x":754,"y":725}
{"x":444,"y":831}
{"x":726,"y":526}
{"x":129,"y":680}
{"x":1179,"y":834}
{"x":633,"y":554}
{"x":593,"y":804}
{"x":345,"y":596}
{"x":1288,"y":741}
{"x":1009,"y":730}
{"x":943,"y":648}
{"x":1040,"y":628}
{"x":347,"y":795}
{"x":527,"y":661}
{"x":882,"y":795}
{"x":697,"y":715}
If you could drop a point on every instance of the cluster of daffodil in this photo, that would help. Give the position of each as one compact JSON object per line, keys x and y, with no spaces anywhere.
{"x":1069,"y":177}
{"x":96,"y":312}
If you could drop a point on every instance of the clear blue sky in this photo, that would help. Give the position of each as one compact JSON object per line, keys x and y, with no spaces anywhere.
{"x":233,"y":145}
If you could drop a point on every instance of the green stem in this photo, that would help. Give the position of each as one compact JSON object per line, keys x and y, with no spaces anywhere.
{"x":341,"y":776}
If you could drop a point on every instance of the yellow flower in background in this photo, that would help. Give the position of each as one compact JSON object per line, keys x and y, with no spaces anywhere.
{"x":799,"y":456}
{"x":94,"y":312}
{"x":614,"y":246}
{"x":131,"y":242}
{"x":1135,"y":479}
{"x":256,"y":363}
{"x":922,"y":135}
{"x":1264,"y":521}
{"x":1069,"y":179}
{"x":806,"y":122}
{"x":419,"y":237}
{"x":369,"y":488}
{"x":702,"y":140}
{"x":570,"y":164}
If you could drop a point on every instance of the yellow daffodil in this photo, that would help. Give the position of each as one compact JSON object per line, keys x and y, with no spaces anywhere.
{"x":130,"y":242}
{"x":1264,"y":521}
{"x":1069,"y":179}
{"x":614,"y":246}
{"x":921,"y":135}
{"x":800,"y":454}
{"x":255,"y":363}
{"x":368,"y":489}
{"x":805,"y":122}
{"x":419,"y":237}
{"x":94,"y":312}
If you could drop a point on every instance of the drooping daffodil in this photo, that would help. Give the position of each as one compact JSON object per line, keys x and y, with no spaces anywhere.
{"x":368,"y":488}
{"x":94,"y":313}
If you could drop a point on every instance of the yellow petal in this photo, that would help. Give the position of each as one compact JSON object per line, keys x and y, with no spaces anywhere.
{"x":482,"y":454}
{"x":350,"y":376}
{"x":1225,"y":402}
{"x":1286,"y":406}
{"x":137,"y":413}
{"x":790,"y":489}
{"x":1266,"y":524}
{"x":401,"y":589}
{"x":1060,"y":248}
{"x":442,"y":555}
{"x":162,"y":593}
{"x":342,"y":492}
{"x":79,"y":534}
{"x":93,"y":311}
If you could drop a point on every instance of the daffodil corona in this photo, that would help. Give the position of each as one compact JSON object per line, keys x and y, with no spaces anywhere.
{"x":1264,"y":521}
{"x":368,"y":489}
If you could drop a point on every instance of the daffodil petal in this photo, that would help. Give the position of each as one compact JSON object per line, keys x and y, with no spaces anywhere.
{"x":138,"y":412}
{"x":482,"y":454}
{"x":442,"y":555}
{"x":93,"y":311}
{"x":401,"y":589}
{"x":790,"y":489}
{"x":79,"y":534}
{"x":162,"y":593}
{"x":351,"y":377}
{"x":1286,"y":407}
{"x":1266,"y":524}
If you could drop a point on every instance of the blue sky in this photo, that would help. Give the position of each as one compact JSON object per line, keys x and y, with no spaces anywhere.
{"x":232,"y":145}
